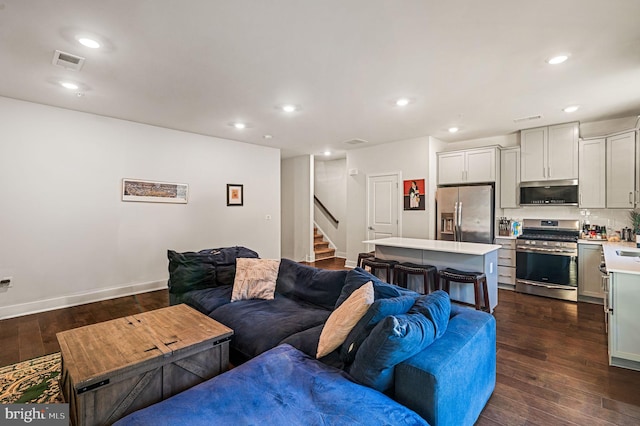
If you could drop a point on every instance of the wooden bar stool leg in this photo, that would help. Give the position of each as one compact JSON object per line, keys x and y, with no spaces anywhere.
{"x":485,"y":292}
{"x":476,"y":291}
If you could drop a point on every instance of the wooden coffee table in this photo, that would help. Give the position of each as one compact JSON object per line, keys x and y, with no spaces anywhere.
{"x":114,"y":368}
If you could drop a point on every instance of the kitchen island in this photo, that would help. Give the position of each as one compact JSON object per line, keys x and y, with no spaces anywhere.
{"x":472,"y":257}
{"x":622,"y":299}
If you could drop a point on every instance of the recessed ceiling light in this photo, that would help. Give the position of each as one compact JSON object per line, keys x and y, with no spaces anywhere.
{"x":453,"y":129}
{"x":239,"y":125}
{"x":572,"y":108}
{"x":89,"y":42}
{"x":402,"y":102}
{"x":557,"y":59}
{"x":69,"y":85}
{"x":289,"y":108}
{"x":327,"y":153}
{"x":268,"y":136}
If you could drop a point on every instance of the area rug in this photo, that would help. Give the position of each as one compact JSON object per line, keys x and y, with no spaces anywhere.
{"x":34,"y":381}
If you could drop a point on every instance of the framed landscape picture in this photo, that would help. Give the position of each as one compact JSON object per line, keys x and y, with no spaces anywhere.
{"x":235,"y":195}
{"x":154,"y":192}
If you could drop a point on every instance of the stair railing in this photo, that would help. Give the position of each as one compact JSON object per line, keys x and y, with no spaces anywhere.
{"x":325,"y":210}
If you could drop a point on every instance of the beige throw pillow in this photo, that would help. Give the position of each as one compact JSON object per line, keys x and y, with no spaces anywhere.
{"x":255,"y":279}
{"x":343,"y":319}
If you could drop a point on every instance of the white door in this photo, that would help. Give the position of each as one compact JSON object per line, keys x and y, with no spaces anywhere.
{"x":382,"y":206}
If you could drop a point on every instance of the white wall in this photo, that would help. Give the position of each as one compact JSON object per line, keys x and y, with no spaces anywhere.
{"x":411,"y":158}
{"x":297,"y":201}
{"x":331,"y":190}
{"x":67,"y":238}
{"x":435,"y":146}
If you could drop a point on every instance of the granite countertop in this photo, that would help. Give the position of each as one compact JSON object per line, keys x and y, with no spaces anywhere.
{"x":621,"y":264}
{"x":477,"y":249}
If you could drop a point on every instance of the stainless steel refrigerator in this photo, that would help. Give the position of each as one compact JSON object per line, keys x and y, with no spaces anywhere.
{"x":465,"y":213}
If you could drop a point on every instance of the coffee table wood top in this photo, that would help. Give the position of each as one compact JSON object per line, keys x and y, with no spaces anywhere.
{"x":95,"y":352}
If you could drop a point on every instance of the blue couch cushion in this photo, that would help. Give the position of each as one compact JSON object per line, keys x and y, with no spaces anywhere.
{"x":317,"y":286}
{"x":457,"y":372}
{"x":380,"y":309}
{"x":393,"y":340}
{"x":358,"y":277}
{"x":280,"y":387}
{"x":307,"y":342}
{"x":437,"y":307}
{"x":208,"y":299}
{"x":260,"y":325}
{"x":206,"y":268}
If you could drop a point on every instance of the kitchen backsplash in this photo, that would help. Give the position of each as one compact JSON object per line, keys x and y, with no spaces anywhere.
{"x":614,"y":219}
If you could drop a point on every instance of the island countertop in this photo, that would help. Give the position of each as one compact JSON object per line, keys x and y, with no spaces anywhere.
{"x":436,"y":245}
{"x":621,"y":264}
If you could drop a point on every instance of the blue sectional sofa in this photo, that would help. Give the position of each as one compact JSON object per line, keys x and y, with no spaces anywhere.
{"x":446,"y":383}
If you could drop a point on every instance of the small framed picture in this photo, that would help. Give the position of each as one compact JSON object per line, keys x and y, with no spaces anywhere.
{"x":235,"y":196}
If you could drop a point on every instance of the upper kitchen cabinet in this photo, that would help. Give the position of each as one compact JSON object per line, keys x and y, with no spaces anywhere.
{"x":468,"y":166}
{"x":621,"y":167}
{"x":592,"y":173}
{"x":549,"y":153}
{"x":509,"y":178}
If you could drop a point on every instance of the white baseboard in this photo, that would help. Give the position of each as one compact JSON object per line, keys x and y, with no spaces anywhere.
{"x":341,"y":254}
{"x":350,"y":264}
{"x":79,"y":299}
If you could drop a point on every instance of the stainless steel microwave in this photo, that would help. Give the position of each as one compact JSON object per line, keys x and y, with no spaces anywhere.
{"x":549,"y":193}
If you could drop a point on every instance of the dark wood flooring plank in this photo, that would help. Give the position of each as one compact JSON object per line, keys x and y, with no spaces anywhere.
{"x":30,"y":339}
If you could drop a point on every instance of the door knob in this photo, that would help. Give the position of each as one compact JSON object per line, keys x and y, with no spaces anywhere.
{"x":371,"y":228}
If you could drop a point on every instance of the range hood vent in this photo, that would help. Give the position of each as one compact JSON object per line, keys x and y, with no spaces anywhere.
{"x":355,"y":142}
{"x":529,"y":118}
{"x":67,"y":60}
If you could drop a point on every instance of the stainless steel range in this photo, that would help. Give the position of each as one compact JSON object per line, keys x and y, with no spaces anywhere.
{"x":547,"y":258}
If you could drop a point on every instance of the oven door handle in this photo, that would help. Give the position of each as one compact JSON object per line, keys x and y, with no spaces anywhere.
{"x":549,"y":286}
{"x":570,"y":252}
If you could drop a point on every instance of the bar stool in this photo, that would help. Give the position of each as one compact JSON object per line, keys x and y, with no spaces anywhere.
{"x":402,"y":271}
{"x":476,"y":278}
{"x":376,"y":264}
{"x":362,"y":256}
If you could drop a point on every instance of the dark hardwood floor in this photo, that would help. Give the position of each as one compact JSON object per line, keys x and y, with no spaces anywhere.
{"x":552,"y":364}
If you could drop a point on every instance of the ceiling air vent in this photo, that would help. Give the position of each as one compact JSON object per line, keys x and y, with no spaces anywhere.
{"x":355,"y":142}
{"x":530,"y":118}
{"x":67,"y":60}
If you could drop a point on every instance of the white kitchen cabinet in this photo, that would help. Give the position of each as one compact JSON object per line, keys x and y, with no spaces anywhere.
{"x":549,"y":153}
{"x":592,"y":173}
{"x":506,"y":262}
{"x":469,"y":166}
{"x":624,"y":317}
{"x":510,"y":178}
{"x":621,"y":167}
{"x":589,"y":276}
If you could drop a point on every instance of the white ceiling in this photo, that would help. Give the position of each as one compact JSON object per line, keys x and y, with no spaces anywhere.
{"x":198,"y":65}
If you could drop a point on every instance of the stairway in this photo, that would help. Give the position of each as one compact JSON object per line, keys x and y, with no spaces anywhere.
{"x":321,"y":247}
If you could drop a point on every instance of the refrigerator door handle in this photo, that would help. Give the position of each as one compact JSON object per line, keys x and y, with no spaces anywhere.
{"x":460,"y":221}
{"x":455,"y":222}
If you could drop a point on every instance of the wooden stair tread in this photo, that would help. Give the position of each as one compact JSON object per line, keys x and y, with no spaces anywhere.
{"x":321,"y":248}
{"x":326,"y":250}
